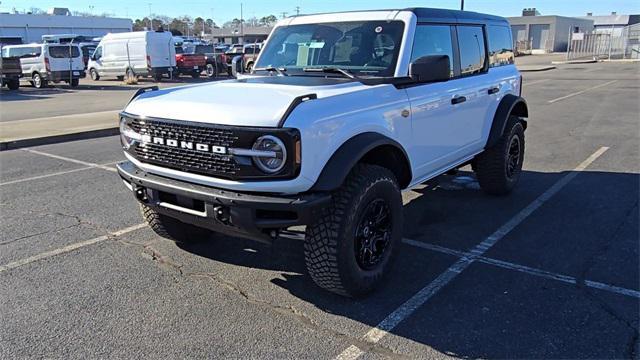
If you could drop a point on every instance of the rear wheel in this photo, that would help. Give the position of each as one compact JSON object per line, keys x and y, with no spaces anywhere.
{"x":37,"y":81}
{"x":350,"y":247}
{"x":172,"y":229}
{"x":195,"y":74}
{"x":75,"y":82}
{"x":211,"y":70}
{"x":130,"y":75}
{"x":249,"y":67}
{"x":94,"y":75}
{"x":13,"y":84}
{"x":498,"y":168}
{"x":157,"y":77}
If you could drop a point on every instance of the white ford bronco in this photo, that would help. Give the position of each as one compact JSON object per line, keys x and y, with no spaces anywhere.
{"x":340,"y":113}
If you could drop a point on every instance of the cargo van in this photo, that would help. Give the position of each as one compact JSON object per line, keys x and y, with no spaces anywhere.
{"x":134,"y":54}
{"x":42,"y":63}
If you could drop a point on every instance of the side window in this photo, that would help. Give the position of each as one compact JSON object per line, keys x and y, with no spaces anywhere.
{"x":433,"y":40}
{"x":500,"y":46}
{"x":472,"y":50}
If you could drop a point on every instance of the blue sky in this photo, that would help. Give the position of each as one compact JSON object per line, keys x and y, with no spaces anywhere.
{"x":224,"y":10}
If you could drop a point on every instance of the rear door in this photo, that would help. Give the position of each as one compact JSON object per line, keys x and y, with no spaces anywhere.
{"x":160,"y":50}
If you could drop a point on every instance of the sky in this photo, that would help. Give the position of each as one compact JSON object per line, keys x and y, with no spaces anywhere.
{"x":225,"y":10}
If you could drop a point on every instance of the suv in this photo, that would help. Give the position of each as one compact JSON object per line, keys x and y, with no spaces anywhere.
{"x":345,"y":115}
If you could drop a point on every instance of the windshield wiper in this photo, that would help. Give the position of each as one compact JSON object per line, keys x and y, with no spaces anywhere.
{"x":331,"y":70}
{"x":280,"y":71}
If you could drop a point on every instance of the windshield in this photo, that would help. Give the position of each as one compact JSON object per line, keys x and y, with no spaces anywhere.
{"x":363,"y":47}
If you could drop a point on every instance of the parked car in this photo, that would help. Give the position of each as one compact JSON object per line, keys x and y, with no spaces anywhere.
{"x":250,"y":54}
{"x":189,"y":62}
{"x":233,"y":51}
{"x":346,"y":111}
{"x":134,"y":54}
{"x":10,"y":72}
{"x":87,"y":50}
{"x":42,"y":63}
{"x":216,"y":60}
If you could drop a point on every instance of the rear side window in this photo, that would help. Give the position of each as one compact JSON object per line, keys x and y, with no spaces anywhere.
{"x":472,"y":49}
{"x":58,"y":52}
{"x":433,"y":40}
{"x":25,"y":52}
{"x":500,"y":46}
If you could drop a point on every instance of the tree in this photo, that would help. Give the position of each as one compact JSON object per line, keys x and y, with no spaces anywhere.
{"x":268,"y":20}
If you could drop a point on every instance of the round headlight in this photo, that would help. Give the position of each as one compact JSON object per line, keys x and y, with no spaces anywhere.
{"x":128,"y":136}
{"x":275,"y":154}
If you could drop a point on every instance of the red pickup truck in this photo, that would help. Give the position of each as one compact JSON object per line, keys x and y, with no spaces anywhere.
{"x":192,"y":64}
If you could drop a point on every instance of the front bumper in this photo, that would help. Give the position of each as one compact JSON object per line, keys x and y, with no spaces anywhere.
{"x":253,"y":216}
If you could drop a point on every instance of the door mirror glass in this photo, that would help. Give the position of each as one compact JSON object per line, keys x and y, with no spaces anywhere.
{"x":430,"y":68}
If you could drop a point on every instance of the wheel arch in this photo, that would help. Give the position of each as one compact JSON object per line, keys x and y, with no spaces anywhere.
{"x":371,"y":148}
{"x":510,"y":105}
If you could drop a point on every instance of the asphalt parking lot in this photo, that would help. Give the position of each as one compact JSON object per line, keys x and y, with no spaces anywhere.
{"x":551,"y":271}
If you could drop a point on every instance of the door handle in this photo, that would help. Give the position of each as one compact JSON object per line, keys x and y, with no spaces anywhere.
{"x":458,"y":100}
{"x":493,"y":90}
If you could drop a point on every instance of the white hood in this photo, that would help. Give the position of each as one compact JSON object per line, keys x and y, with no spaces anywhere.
{"x":258,"y":101}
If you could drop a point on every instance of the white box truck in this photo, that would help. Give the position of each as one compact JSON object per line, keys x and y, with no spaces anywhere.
{"x":133,"y":54}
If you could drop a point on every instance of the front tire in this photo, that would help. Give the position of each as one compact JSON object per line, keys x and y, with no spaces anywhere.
{"x":350,"y":247}
{"x":170,"y":228}
{"x":94,"y":74}
{"x":498,"y":168}
{"x":38,"y":82}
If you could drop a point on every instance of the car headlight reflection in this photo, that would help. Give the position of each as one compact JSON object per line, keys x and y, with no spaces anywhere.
{"x":128,"y":136}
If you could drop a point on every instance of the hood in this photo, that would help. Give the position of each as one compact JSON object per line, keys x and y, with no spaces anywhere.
{"x":252,"y":101}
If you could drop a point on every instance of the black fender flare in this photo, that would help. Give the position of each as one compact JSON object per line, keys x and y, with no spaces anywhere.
{"x":349,"y":154}
{"x":509,"y":105}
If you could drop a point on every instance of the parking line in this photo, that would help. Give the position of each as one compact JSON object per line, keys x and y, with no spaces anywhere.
{"x":525,"y":269}
{"x":90,"y":164}
{"x":581,"y":92}
{"x":410,"y":306}
{"x":69,"y":248}
{"x":54,"y":174}
{"x":525,"y":83}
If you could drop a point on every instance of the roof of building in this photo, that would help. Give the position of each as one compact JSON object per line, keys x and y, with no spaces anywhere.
{"x":613,"y":20}
{"x":246,"y":30}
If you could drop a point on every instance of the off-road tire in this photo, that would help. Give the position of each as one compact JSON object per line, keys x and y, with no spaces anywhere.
{"x":95,"y":76}
{"x":172,"y":229}
{"x":13,"y":84}
{"x":329,"y":248}
{"x":491,"y":166}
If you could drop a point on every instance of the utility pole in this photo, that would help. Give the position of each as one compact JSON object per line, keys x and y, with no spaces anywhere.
{"x":297,"y":10}
{"x":462,"y":5}
{"x":150,"y":21}
{"x":284,"y":14}
{"x":241,"y":25}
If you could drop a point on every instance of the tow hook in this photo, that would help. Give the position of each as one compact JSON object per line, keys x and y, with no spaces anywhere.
{"x":140,"y":194}
{"x":221,"y":214}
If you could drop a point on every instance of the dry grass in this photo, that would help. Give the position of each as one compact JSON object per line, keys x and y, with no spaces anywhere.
{"x":131,"y":81}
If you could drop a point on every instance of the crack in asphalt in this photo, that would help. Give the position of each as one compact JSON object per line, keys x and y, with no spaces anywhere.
{"x":78,"y":222}
{"x":634,"y":341}
{"x":289,"y":310}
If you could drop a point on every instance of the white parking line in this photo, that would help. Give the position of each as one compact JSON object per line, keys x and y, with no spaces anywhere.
{"x":410,"y":306}
{"x":90,"y":164}
{"x":526,"y":83}
{"x":54,"y":174}
{"x":581,"y":92}
{"x":69,"y":248}
{"x":525,"y":269}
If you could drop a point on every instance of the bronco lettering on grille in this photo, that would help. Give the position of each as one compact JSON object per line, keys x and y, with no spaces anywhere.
{"x":189,"y":145}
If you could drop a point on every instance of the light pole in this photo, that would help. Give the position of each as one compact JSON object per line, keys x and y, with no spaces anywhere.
{"x":150,"y":21}
{"x":91,"y":9}
{"x":462,"y":5}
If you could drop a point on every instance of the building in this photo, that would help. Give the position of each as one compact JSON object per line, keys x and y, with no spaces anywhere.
{"x":27,"y":28}
{"x":613,"y":24}
{"x":236,"y":36}
{"x":538,"y":33}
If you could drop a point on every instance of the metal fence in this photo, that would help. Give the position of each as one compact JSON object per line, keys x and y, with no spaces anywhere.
{"x":606,"y":46}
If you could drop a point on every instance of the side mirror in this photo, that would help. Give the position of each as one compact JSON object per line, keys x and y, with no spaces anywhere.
{"x":431,"y":68}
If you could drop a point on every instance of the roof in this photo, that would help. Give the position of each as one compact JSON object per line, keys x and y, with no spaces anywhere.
{"x":603,"y":20}
{"x":246,"y":30}
{"x":453,"y":16}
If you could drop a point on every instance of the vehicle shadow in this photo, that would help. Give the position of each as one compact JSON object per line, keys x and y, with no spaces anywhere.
{"x":486,"y":311}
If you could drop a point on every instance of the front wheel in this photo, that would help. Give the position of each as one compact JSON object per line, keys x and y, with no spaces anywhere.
{"x":498,"y":168}
{"x":38,"y":82}
{"x":172,"y":229}
{"x":350,"y":247}
{"x":211,"y":70}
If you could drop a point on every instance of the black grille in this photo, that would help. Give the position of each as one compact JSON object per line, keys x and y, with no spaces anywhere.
{"x":201,"y":162}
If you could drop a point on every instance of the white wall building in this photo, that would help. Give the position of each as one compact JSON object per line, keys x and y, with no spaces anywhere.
{"x":30,"y":28}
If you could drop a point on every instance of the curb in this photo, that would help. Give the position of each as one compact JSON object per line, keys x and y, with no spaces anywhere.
{"x":539,"y":68}
{"x":54,"y":139}
{"x":590,"y":61}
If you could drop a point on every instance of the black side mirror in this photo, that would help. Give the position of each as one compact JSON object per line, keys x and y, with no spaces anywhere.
{"x":431,"y":68}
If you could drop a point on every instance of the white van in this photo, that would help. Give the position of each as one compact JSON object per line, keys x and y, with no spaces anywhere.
{"x":42,"y":63}
{"x":133,"y":54}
